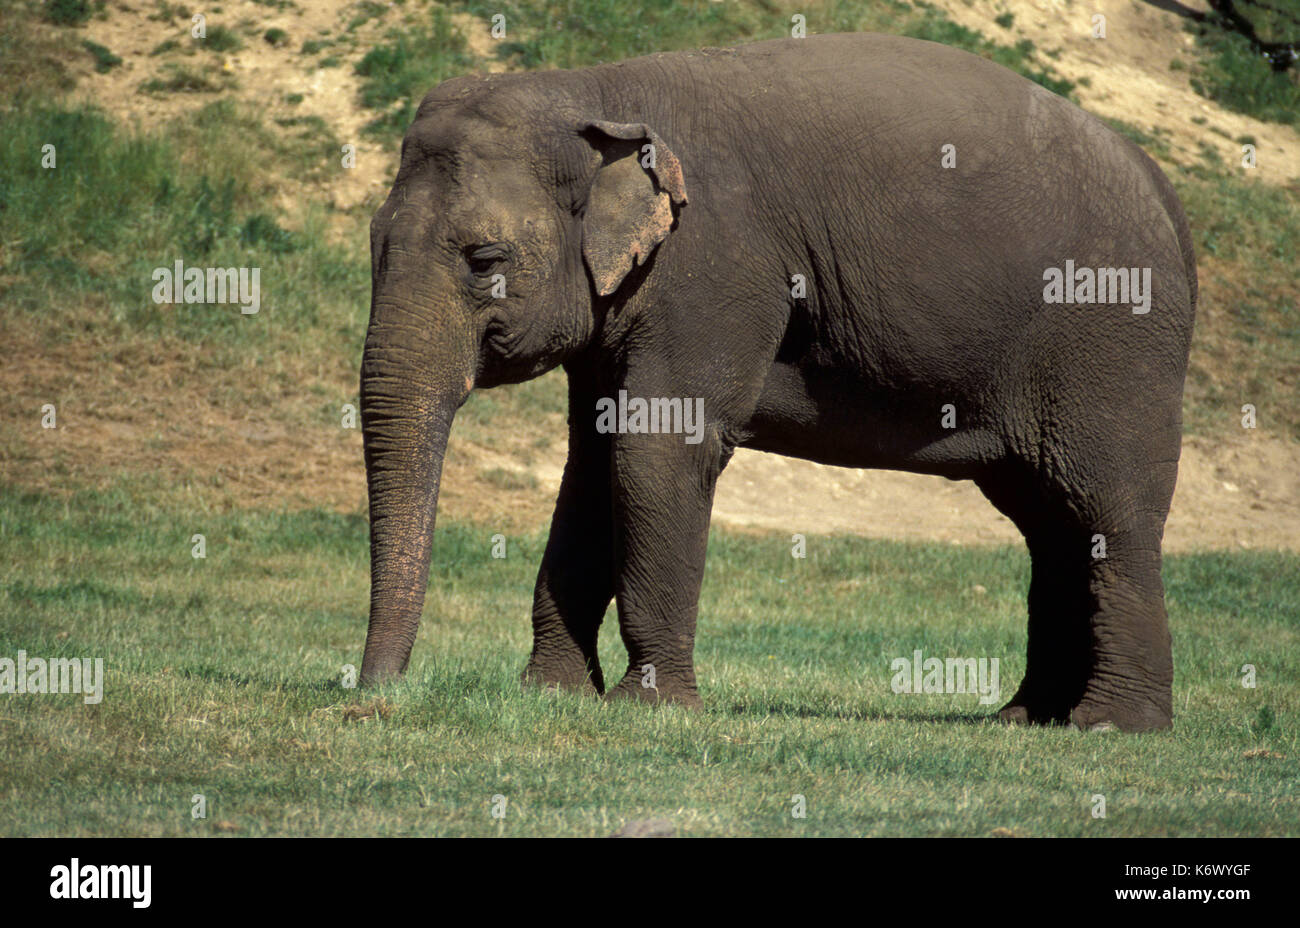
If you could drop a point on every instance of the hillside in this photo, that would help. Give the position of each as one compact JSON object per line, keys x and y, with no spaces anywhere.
{"x":146,"y":401}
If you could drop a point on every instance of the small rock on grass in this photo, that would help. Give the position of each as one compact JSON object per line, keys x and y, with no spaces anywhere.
{"x":646,"y":828}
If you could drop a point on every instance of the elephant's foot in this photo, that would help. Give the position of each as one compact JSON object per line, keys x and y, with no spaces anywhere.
{"x":1014,"y":714}
{"x":1029,"y":713}
{"x":675,"y":692}
{"x":383,"y":665}
{"x":1138,"y":713}
{"x":1091,"y":713}
{"x":572,"y":676}
{"x":1038,"y":706}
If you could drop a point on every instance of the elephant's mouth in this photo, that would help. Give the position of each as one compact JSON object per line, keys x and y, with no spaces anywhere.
{"x":498,"y":338}
{"x":504,"y":355}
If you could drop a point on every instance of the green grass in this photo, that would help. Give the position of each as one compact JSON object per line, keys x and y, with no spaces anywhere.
{"x":1247,"y":340}
{"x":578,"y":33}
{"x":71,"y":12}
{"x":1149,"y":141}
{"x":934,"y":26}
{"x":365,"y":12}
{"x":120,"y":204}
{"x":223,"y":678}
{"x":220,"y":39}
{"x":105,"y":60}
{"x":1237,"y":77}
{"x":34,"y":61}
{"x":165,"y":12}
{"x":179,"y":78}
{"x":399,"y":73}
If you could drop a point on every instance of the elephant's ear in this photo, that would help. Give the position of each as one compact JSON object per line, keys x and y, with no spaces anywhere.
{"x":630,"y":203}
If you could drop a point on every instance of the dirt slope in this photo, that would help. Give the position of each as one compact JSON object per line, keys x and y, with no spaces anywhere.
{"x":1128,"y":74}
{"x":1245,"y":495}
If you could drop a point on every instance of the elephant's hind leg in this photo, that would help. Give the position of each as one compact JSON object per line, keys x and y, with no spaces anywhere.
{"x":1099,"y":648}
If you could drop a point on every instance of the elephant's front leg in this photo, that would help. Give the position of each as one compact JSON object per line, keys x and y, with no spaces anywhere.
{"x":663,"y":495}
{"x":576,"y":580}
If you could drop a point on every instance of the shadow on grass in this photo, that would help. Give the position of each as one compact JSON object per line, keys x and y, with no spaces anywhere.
{"x":304,"y":687}
{"x":335,"y":690}
{"x":804,"y":711}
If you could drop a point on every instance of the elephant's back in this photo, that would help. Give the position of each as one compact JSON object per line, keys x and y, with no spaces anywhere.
{"x":920,"y":175}
{"x":823,"y":75}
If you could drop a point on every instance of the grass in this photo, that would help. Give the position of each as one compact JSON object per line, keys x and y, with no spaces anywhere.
{"x":166,"y":12}
{"x":223,"y":677}
{"x":220,"y":39}
{"x":71,"y":12}
{"x":86,"y":236}
{"x":1237,"y":77}
{"x":581,"y":32}
{"x":1247,"y":341}
{"x":578,"y":33}
{"x":33,"y":60}
{"x":415,"y":59}
{"x":934,"y":26}
{"x":105,"y":60}
{"x":366,"y":11}
{"x":179,"y":78}
{"x":120,"y":204}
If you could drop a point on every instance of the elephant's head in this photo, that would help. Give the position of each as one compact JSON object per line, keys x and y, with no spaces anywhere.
{"x":514,"y":214}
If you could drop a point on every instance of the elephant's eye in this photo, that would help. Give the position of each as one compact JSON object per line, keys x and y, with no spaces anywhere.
{"x":485,"y":260}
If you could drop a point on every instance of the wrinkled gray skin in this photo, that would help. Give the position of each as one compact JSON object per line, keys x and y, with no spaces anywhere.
{"x":819,"y":157}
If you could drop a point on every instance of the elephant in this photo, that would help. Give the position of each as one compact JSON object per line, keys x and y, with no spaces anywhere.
{"x":861,"y":250}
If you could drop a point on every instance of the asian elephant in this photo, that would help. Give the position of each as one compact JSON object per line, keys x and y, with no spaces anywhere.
{"x":862,"y":250}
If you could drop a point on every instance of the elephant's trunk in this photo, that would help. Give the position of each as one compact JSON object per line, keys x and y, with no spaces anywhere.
{"x":415,"y":374}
